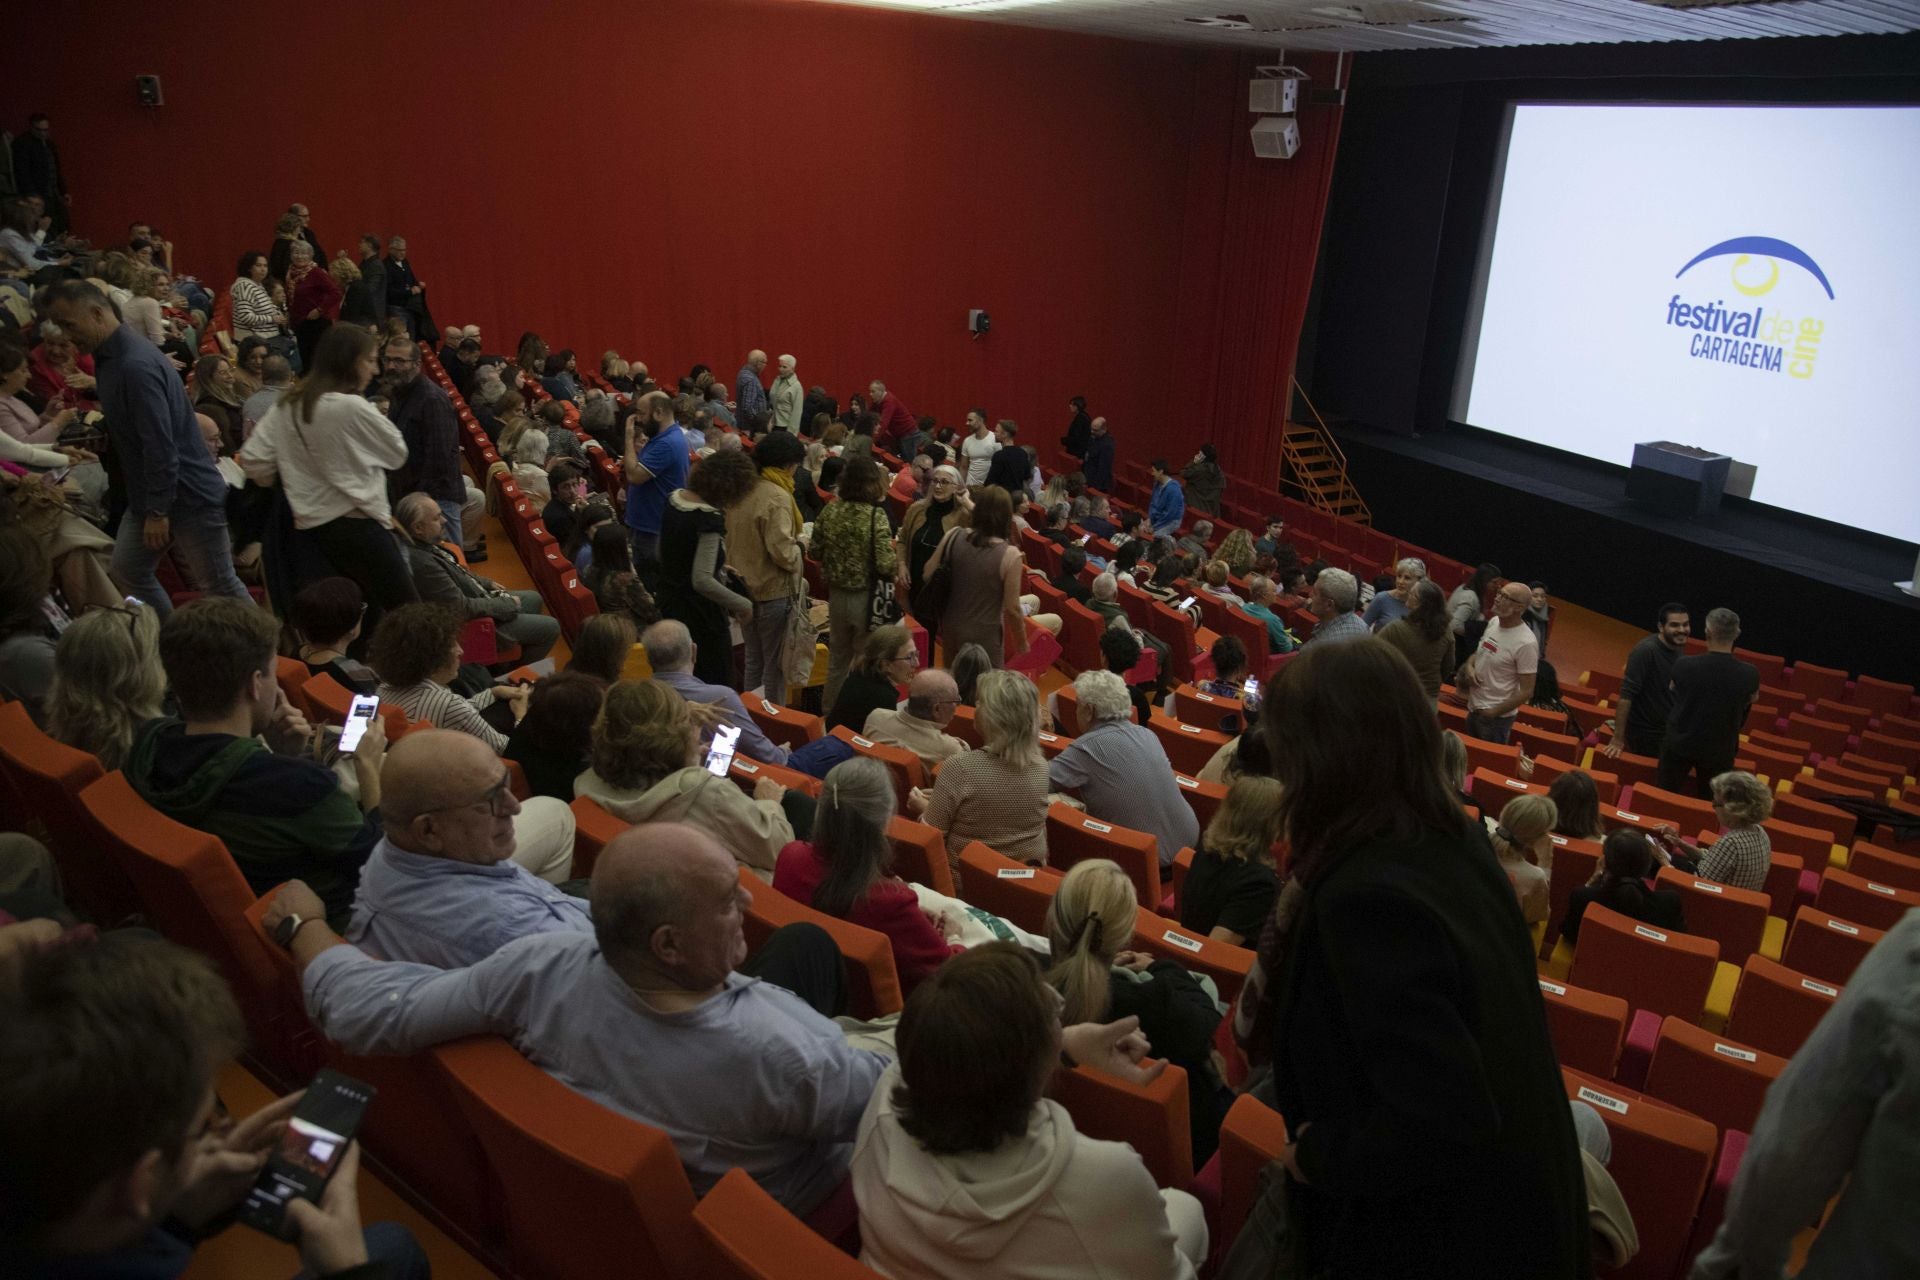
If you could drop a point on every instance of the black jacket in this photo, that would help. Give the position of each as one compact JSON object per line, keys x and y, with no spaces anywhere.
{"x":1414,"y":1067}
{"x":1661,"y":908}
{"x":36,"y":168}
{"x":1097,"y":466}
{"x":1079,"y":432}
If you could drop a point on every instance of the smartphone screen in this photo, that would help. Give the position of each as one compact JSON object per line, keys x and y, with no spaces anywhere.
{"x":720,"y":754}
{"x":1187,"y":603}
{"x":1251,"y":689}
{"x":362,"y":710}
{"x":1085,"y":538}
{"x":310,"y":1150}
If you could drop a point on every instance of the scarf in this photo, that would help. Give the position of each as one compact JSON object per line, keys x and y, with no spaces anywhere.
{"x":781,"y":478}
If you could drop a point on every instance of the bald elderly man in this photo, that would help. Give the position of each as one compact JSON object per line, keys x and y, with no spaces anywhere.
{"x":655,"y":1014}
{"x":442,"y":887}
{"x":932,"y":697}
{"x":749,"y":397}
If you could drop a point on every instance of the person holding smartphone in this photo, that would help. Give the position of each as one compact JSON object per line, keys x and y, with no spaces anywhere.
{"x":132,"y":1032}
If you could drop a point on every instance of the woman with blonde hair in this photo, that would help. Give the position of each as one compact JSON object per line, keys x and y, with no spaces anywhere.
{"x":1742,"y":856}
{"x":107,"y":681}
{"x":1236,"y":549}
{"x":1090,"y":926}
{"x":1230,"y":888}
{"x":646,"y":767}
{"x":1523,"y":841}
{"x":998,"y":794}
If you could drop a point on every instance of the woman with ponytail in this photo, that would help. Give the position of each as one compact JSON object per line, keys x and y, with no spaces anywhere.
{"x":846,"y":869}
{"x":1089,"y":922}
{"x":1523,"y":841}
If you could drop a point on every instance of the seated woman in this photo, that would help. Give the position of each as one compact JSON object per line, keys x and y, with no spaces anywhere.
{"x":1231,"y":671}
{"x":592,"y":515}
{"x":1230,"y":888}
{"x":966,"y":667}
{"x":1454,"y":767}
{"x":1742,"y":856}
{"x":646,"y":767}
{"x":887,"y":660}
{"x":1236,"y":550}
{"x":846,"y":869}
{"x":1620,"y":883}
{"x":107,"y":681}
{"x":1523,"y":841}
{"x":26,"y":628}
{"x":440,"y":578}
{"x":604,"y":647}
{"x":553,"y":741}
{"x":963,"y":1167}
{"x":1577,"y":801}
{"x":998,"y":794}
{"x":416,"y":654}
{"x":325,"y":620}
{"x":1214,"y":582}
{"x":567,"y":480}
{"x":529,"y":468}
{"x":1090,"y":924}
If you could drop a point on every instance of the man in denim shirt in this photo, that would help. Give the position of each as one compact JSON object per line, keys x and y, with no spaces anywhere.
{"x":175,"y":495}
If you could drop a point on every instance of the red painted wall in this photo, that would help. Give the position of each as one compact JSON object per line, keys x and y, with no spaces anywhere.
{"x":685,"y":179}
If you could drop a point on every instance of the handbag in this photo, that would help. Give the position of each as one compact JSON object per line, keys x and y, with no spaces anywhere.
{"x":937,"y":588}
{"x":883,"y":610}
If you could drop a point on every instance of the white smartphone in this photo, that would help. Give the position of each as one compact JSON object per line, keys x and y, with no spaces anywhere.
{"x":1085,"y":538}
{"x":1250,"y":690}
{"x":720,"y":753}
{"x":360,"y":713}
{"x":1186,"y":604}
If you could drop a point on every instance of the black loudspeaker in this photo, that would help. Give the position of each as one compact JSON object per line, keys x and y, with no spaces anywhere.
{"x":148,"y":89}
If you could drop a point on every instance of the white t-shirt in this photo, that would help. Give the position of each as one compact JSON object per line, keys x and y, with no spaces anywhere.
{"x":978,"y":451}
{"x":1505,"y":654}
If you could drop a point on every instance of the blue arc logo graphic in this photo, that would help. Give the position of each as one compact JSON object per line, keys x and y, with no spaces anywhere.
{"x":1764,"y":246}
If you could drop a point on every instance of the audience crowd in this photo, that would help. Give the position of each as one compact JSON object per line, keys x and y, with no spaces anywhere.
{"x":231,"y":505}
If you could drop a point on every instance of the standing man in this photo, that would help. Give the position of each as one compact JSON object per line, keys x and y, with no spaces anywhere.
{"x":1011,"y":467}
{"x":1332,"y":601}
{"x":305,"y":232}
{"x":898,"y":427}
{"x":1499,"y":675}
{"x":749,"y":396}
{"x":432,"y":431}
{"x":1097,"y":466}
{"x":787,"y":396}
{"x":977,"y":450}
{"x":1079,"y":430}
{"x":1169,"y":505}
{"x":373,"y":274}
{"x":175,"y":495}
{"x":406,"y":296}
{"x":37,"y":172}
{"x":1712,"y":692}
{"x":653,"y":473}
{"x":1646,"y":691}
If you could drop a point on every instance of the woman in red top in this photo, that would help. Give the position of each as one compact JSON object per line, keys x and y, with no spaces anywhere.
{"x":316,"y":301}
{"x":846,"y":870}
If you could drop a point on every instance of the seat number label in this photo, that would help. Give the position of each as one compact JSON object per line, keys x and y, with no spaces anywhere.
{"x":1015,"y":873}
{"x":1181,"y":941}
{"x":1606,"y":1100}
{"x":1645,"y":932}
{"x":1740,"y":1055}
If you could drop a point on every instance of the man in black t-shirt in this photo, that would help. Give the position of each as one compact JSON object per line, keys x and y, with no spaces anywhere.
{"x":1646,"y":698}
{"x":1711,"y":695}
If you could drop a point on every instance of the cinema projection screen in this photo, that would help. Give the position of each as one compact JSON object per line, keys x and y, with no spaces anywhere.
{"x":1741,"y":278}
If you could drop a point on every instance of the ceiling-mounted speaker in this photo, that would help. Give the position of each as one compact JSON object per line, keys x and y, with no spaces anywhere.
{"x":1276,"y":137}
{"x":1273,"y":97}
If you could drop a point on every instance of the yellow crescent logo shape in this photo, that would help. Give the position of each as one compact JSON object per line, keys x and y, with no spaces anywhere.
{"x":1755,"y":290}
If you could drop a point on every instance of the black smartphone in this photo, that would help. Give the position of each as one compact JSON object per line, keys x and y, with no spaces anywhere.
{"x":310,"y":1150}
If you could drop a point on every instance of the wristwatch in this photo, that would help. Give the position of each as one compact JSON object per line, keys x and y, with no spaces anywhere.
{"x":283,"y":933}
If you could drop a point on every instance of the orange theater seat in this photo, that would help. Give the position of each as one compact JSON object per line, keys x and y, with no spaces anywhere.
{"x":1715,"y":1078}
{"x":1189,"y":746}
{"x":920,"y":855}
{"x":755,"y":1238}
{"x":1662,"y":970}
{"x":1574,"y":862}
{"x":593,"y":829}
{"x":1225,"y":963}
{"x":1882,"y":697}
{"x":1547,"y":768}
{"x":1839,"y":825}
{"x":330,"y":701}
{"x":905,"y":767}
{"x":1775,"y":1008}
{"x":1074,"y":836}
{"x":1204,"y":798}
{"x":1827,"y":947}
{"x":580,"y":1183}
{"x":873,"y":985}
{"x":1813,"y":682}
{"x":1863,"y":899}
{"x":1734,"y":918}
{"x":1252,"y":1137}
{"x":1011,"y":890}
{"x":1688,"y":813}
{"x":1662,"y":1158}
{"x":1588,"y":1027}
{"x":1885,"y":865}
{"x":746,"y":772}
{"x":1491,"y":790}
{"x":1151,"y":1118}
{"x":46,"y":778}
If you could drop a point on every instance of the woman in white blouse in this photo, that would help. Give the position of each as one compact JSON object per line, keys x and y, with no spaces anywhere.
{"x":330,"y":449}
{"x":254,"y":315}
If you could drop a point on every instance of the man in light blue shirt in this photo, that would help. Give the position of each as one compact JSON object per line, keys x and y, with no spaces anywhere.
{"x":1169,"y":505}
{"x":646,"y":1015}
{"x":1122,"y":771}
{"x":441,"y":888}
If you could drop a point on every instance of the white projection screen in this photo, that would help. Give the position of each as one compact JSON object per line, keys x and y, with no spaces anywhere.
{"x":1741,"y":278}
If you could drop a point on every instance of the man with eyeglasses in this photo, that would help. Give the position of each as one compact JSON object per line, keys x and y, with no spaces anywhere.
{"x":1499,"y":676}
{"x":427,"y":422}
{"x":932,"y":698}
{"x":237,"y":762}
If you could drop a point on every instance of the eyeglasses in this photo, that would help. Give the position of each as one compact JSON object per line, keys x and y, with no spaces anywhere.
{"x":911,"y":655}
{"x":498,"y":800}
{"x":131,"y":610}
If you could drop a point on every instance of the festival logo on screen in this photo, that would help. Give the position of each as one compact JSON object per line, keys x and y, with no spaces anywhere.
{"x":1777,"y":320}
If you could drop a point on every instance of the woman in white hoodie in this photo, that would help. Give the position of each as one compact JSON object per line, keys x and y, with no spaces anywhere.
{"x":964,"y":1169}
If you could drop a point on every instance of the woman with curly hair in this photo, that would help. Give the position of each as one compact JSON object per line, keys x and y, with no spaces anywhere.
{"x":646,"y":768}
{"x":416,"y":654}
{"x":1237,"y":550}
{"x":695,"y":588}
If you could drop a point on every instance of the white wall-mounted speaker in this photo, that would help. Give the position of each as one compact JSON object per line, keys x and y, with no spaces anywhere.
{"x":1276,"y":137}
{"x":1273,"y":97}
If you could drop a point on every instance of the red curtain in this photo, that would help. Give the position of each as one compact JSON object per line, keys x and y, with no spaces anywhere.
{"x":1251,"y":237}
{"x":687,"y":179}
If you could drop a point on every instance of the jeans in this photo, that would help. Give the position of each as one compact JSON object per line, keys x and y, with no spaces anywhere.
{"x":846,"y":632}
{"x":1496,"y":729}
{"x":199,"y":534}
{"x":646,"y":558}
{"x":532,"y":630}
{"x":766,"y":649}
